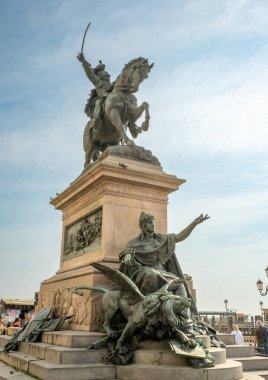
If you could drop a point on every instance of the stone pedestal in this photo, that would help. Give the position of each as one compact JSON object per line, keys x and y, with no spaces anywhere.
{"x":105,"y":201}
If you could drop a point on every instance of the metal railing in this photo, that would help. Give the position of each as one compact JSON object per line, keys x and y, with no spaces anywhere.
{"x":247,"y":331}
{"x":249,"y":340}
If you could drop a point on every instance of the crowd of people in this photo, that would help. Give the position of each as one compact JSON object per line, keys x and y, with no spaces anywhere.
{"x":6,"y":323}
{"x":260,"y":337}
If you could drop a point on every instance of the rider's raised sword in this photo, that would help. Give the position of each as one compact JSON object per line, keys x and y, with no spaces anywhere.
{"x":82,"y":47}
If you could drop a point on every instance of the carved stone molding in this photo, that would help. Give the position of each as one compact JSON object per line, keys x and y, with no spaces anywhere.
{"x":137,"y":192}
{"x":115,"y":189}
{"x":85,"y":201}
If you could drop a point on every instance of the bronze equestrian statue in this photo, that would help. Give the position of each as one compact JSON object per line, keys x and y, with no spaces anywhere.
{"x":113,"y":107}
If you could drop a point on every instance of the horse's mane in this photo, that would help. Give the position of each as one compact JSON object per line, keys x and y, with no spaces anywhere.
{"x":136,"y":62}
{"x":122,"y":81}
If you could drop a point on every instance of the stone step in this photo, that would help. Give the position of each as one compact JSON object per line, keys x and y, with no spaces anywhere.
{"x":261,"y":373}
{"x":219,"y":354}
{"x":70,"y":338}
{"x":38,"y":349}
{"x":226,"y":338}
{"x":9,"y":373}
{"x":251,"y":376}
{"x":60,"y":354}
{"x":49,"y":371}
{"x":230,"y":370}
{"x":61,"y":362}
{"x":65,"y":355}
{"x":17,"y":359}
{"x":81,"y":339}
{"x":167,"y":357}
{"x":254,"y":363}
{"x":236,"y":351}
{"x":154,"y":352}
{"x":4,"y":339}
{"x":158,"y":358}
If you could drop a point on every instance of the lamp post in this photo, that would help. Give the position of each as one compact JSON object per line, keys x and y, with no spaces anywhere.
{"x":228,"y":320}
{"x":226,"y":310}
{"x":259,"y":284}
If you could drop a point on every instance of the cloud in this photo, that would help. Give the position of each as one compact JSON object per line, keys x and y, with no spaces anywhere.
{"x":230,"y":215}
{"x":213,"y":111}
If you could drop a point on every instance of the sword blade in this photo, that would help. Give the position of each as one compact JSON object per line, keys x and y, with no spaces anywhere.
{"x":82,"y":47}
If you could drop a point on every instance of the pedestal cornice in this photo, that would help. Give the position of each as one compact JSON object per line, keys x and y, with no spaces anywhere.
{"x":108,"y":175}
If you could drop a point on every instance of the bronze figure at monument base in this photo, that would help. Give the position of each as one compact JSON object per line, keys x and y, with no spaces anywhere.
{"x":113,"y":107}
{"x":153,"y":302}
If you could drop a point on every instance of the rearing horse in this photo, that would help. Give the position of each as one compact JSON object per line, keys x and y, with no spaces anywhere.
{"x":119,"y":112}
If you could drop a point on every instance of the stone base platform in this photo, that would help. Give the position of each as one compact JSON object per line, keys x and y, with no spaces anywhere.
{"x":253,"y":365}
{"x":62,"y":356}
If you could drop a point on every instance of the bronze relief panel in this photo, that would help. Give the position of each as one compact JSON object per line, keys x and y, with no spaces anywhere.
{"x":83,"y":236}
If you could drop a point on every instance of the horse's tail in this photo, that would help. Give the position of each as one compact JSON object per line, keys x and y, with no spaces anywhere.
{"x":78,"y":289}
{"x":91,"y":130}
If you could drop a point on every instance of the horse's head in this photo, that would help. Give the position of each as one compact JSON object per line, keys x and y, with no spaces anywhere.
{"x":133,"y":74}
{"x":141,"y":70}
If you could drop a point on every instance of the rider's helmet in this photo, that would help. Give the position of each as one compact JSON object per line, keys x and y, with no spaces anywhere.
{"x":101,"y":73}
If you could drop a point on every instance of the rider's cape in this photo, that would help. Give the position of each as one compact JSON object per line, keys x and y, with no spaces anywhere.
{"x":90,"y":105}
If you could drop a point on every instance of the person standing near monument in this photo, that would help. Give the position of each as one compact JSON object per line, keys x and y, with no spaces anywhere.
{"x":22,"y":317}
{"x":239,"y":339}
{"x":149,"y":259}
{"x":261,"y":337}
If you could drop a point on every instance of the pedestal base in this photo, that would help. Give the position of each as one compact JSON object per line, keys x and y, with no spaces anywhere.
{"x":100,"y":213}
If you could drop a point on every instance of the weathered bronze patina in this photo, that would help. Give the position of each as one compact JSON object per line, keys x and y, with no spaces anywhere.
{"x":112,"y":107}
{"x":149,"y":258}
{"x":157,"y":315}
{"x":150,"y":291}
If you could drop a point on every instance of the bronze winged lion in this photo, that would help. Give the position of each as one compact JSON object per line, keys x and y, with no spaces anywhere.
{"x":154,"y":316}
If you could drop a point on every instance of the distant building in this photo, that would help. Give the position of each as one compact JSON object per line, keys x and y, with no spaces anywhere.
{"x":265,"y":316}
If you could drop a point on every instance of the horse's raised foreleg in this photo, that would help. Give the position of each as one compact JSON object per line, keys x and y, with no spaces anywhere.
{"x":145,"y":124}
{"x":137,"y":112}
{"x":115,"y":118}
{"x":134,"y":129}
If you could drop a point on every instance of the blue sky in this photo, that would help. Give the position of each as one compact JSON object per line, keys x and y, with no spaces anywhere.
{"x":208,"y":95}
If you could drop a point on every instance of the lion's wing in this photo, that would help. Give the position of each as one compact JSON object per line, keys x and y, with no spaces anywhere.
{"x":121,"y":281}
